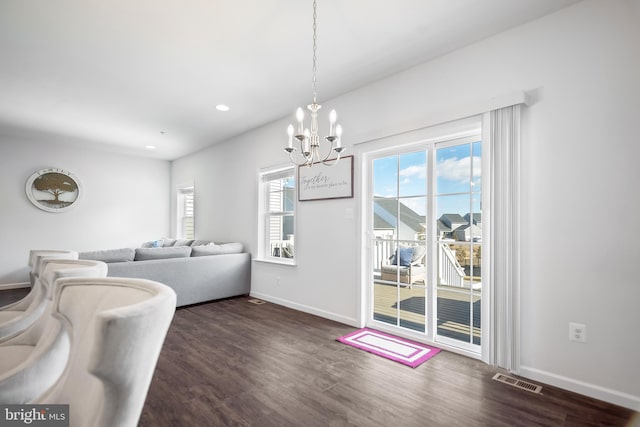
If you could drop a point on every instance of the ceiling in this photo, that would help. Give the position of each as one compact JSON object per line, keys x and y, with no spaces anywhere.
{"x":125,"y":74}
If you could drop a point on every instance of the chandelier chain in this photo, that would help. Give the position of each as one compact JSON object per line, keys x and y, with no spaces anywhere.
{"x":315,"y":68}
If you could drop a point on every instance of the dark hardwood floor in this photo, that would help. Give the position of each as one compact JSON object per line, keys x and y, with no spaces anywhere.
{"x":8,"y":296}
{"x":233,"y":363}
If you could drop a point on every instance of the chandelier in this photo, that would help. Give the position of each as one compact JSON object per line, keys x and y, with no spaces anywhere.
{"x":307,"y":138}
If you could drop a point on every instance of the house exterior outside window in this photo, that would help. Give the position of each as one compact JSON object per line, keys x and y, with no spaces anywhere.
{"x":278,"y":201}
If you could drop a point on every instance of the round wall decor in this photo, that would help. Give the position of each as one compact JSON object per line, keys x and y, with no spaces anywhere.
{"x":53,"y":190}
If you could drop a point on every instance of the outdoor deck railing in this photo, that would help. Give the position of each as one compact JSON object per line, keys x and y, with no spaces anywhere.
{"x":450,"y":272}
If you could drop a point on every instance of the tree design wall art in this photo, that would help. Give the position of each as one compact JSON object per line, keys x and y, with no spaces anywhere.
{"x":53,"y":190}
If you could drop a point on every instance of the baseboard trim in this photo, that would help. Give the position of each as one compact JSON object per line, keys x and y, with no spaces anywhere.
{"x":307,"y":309}
{"x":20,"y":285}
{"x":602,"y":393}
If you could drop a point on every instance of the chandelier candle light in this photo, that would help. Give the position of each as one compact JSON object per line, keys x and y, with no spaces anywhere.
{"x":308,"y":139}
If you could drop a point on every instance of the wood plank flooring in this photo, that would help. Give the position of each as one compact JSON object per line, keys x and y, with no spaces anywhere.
{"x":232,"y":363}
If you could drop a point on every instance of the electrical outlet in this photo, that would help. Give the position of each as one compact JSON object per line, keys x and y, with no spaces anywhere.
{"x":277,"y":280}
{"x":577,"y":332}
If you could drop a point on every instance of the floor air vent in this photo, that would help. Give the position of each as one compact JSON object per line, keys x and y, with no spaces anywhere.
{"x":524,"y":385}
{"x":256,"y":301}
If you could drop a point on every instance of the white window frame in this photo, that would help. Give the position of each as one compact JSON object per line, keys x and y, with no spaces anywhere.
{"x":266,"y":176}
{"x":403,"y":143}
{"x":185,"y":208}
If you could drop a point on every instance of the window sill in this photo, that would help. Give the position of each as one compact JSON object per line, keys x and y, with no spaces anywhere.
{"x":288,"y":263}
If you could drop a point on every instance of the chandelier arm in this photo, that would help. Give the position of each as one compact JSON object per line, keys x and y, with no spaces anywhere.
{"x":330,"y":151}
{"x":335,"y":161}
{"x":305,"y":161}
{"x":302,"y":158}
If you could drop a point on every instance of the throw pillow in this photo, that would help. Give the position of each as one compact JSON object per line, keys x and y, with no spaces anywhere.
{"x":152,"y":244}
{"x":405,"y":255}
{"x":168,"y":242}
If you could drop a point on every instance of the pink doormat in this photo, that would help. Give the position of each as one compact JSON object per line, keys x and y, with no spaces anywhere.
{"x":394,"y":348}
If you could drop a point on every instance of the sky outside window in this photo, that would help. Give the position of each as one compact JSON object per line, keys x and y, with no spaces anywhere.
{"x":455,"y":168}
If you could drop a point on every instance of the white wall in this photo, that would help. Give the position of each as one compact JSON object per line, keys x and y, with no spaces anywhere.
{"x":226,"y":202}
{"x":579,"y":170}
{"x":125,"y":202}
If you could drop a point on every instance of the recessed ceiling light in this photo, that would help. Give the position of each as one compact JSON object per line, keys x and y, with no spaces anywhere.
{"x":222,"y":107}
{"x":150,"y":147}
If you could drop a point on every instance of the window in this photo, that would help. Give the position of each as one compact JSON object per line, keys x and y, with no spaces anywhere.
{"x":185,"y":213}
{"x":278,"y":189}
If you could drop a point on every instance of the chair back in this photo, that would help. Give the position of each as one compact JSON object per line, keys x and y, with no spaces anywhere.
{"x":116,"y":327}
{"x":52,"y":270}
{"x":35,"y":255}
{"x":26,"y":312}
{"x":38,"y":330}
{"x":56,"y":268}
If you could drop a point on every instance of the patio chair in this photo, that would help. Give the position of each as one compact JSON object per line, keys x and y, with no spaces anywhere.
{"x":406,"y":265}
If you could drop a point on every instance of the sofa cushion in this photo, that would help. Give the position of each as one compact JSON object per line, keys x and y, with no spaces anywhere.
{"x":168,"y":242}
{"x":110,"y":255}
{"x":418,"y":254}
{"x":183,"y":242}
{"x":143,"y":254}
{"x":224,"y":248}
{"x":201,"y":243}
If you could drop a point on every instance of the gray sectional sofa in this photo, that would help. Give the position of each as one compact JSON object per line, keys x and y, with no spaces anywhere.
{"x":197,"y":274}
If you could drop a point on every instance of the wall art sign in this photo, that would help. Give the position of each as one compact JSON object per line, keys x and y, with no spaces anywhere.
{"x":53,"y":190}
{"x":326,"y":182}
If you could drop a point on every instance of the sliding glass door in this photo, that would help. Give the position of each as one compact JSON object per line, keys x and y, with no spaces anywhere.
{"x":426,"y":240}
